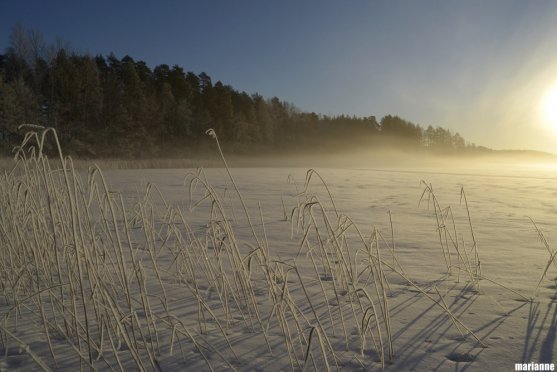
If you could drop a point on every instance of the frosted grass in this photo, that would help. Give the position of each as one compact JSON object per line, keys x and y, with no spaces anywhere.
{"x":103,"y":280}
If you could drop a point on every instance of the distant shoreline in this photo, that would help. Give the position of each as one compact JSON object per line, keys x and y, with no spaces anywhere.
{"x":347,"y":159}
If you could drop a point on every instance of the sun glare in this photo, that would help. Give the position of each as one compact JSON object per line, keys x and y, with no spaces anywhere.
{"x":549,"y":107}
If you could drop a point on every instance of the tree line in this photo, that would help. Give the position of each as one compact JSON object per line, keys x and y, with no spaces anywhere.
{"x":105,"y":106}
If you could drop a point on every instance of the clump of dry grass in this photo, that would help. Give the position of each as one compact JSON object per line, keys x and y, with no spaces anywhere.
{"x":110,"y":282}
{"x":453,"y":243}
{"x":468,"y":259}
{"x":552,"y":257}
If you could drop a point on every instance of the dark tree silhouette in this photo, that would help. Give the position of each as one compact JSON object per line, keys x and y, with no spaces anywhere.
{"x":106,"y":106}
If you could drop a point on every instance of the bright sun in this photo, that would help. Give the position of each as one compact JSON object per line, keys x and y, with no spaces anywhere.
{"x":549,"y":107}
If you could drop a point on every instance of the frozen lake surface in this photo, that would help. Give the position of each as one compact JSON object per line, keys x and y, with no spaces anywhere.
{"x":327,"y":273}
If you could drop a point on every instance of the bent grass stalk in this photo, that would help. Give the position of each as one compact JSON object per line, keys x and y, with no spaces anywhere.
{"x":552,"y":255}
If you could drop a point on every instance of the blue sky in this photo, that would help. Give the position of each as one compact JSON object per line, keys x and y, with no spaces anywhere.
{"x":477,"y":67}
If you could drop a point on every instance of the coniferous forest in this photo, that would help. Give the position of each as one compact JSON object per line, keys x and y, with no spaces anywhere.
{"x":105,"y":106}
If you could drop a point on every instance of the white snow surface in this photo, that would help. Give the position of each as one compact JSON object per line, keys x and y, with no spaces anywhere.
{"x":501,"y":204}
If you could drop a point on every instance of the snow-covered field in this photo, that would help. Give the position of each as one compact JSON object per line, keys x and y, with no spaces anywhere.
{"x":363,"y":269}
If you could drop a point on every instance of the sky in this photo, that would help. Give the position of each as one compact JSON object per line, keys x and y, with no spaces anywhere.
{"x":479,"y":68}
